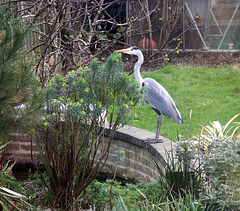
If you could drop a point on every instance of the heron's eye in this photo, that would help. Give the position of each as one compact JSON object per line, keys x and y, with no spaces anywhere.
{"x":135,"y":48}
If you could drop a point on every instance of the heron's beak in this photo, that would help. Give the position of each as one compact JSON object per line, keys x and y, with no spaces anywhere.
{"x":122,"y":50}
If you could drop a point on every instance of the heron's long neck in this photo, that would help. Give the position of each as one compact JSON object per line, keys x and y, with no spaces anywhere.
{"x":137,"y":75}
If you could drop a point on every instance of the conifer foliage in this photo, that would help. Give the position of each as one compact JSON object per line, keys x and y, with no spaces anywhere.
{"x":72,"y":137}
{"x":20,"y":95}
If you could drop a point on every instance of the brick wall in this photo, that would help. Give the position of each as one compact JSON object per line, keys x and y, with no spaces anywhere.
{"x":19,"y":149}
{"x":137,"y":164}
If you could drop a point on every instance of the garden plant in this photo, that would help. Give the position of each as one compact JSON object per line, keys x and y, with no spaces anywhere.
{"x":72,"y":134}
{"x":70,"y":105}
{"x":21,"y":96}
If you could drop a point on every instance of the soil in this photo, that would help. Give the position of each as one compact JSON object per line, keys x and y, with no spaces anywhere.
{"x":209,"y":59}
{"x":212,"y":59}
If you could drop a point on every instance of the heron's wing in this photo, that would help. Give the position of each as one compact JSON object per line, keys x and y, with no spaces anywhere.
{"x":160,"y":100}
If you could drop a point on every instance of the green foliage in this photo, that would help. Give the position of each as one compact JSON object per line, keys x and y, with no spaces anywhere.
{"x":222,"y":166}
{"x":119,"y":160}
{"x":20,"y":95}
{"x":141,"y":196}
{"x":184,"y":203}
{"x":71,"y":136}
{"x":213,"y":155}
{"x":34,"y":188}
{"x":98,"y":193}
{"x":180,"y":174}
{"x":11,"y":196}
{"x":216,"y":131}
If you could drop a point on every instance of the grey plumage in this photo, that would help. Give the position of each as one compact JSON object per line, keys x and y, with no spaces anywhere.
{"x":160,"y":100}
{"x":156,"y":96}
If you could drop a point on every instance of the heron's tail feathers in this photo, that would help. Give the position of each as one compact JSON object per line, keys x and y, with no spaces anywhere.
{"x":178,"y":118}
{"x":180,"y":121}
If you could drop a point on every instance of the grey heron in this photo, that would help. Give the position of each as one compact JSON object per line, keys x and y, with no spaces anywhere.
{"x":156,"y":96}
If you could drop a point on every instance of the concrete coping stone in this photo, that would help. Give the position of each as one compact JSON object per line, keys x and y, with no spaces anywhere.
{"x":139,"y":136}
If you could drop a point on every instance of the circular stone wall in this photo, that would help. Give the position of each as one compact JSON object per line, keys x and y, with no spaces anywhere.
{"x":137,"y":164}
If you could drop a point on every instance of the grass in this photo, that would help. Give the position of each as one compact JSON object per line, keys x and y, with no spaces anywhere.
{"x":210,"y":94}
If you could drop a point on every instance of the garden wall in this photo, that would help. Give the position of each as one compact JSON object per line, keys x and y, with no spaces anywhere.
{"x":137,"y":164}
{"x":19,"y":149}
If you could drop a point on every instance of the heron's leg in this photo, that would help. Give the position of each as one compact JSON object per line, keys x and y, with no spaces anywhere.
{"x":159,"y":122}
{"x":156,"y":140}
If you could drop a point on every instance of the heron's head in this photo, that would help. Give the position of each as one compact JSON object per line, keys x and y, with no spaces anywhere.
{"x":133,"y":50}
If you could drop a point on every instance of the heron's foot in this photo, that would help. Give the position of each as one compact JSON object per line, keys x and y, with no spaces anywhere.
{"x":153,"y":141}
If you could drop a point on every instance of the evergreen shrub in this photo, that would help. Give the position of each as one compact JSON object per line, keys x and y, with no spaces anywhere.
{"x":72,"y":134}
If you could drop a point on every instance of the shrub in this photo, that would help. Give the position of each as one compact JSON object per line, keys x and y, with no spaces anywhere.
{"x":72,"y":135}
{"x":222,"y":167}
{"x":218,"y":150}
{"x":216,"y":131}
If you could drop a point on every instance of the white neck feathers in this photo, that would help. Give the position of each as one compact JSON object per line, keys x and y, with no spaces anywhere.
{"x":137,"y":66}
